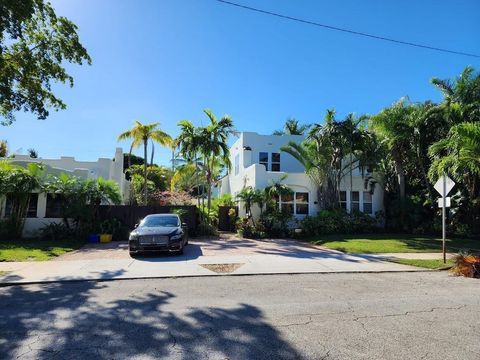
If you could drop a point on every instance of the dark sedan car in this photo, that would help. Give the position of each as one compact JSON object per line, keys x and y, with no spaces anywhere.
{"x":159,"y":232}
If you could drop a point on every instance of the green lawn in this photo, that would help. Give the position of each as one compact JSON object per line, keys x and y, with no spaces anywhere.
{"x":392,"y":243}
{"x":35,"y":250}
{"x":429,"y":264}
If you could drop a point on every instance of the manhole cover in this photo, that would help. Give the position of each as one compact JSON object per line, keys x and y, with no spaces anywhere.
{"x":222,"y":268}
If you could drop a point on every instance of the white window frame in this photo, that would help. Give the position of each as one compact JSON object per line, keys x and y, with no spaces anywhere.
{"x":265,"y":163}
{"x":354,"y":202}
{"x":367,"y":202}
{"x":294,"y":202}
{"x":276,"y":162}
{"x":237,"y":164}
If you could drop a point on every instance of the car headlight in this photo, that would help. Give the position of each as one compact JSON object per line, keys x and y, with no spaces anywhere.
{"x":177,"y":236}
{"x":133,"y":236}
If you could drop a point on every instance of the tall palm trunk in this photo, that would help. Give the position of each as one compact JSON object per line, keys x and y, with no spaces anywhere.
{"x":209,"y":185}
{"x":400,"y":179}
{"x":153,"y":153}
{"x":145,"y":190}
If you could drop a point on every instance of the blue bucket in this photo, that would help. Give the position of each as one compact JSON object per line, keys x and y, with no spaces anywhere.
{"x":93,"y":238}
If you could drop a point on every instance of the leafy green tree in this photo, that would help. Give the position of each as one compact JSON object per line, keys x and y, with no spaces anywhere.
{"x":292,"y":127}
{"x":35,"y":44}
{"x":141,"y":134}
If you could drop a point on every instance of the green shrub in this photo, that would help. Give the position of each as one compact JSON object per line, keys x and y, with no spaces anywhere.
{"x":247,"y":228}
{"x":337,"y":221}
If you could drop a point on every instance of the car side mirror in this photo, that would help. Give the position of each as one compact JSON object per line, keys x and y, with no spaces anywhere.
{"x":135,"y":226}
{"x":184,"y":225}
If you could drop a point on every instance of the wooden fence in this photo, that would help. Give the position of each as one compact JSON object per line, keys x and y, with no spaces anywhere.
{"x":129,"y":215}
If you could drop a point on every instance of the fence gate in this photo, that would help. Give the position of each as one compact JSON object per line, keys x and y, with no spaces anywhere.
{"x":224,"y":222}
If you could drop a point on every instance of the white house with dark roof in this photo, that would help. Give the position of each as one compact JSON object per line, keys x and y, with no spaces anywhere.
{"x":257,"y":161}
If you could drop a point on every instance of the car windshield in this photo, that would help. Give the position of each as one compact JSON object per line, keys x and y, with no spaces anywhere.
{"x":157,"y":221}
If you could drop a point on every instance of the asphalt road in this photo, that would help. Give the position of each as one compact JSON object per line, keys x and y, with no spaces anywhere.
{"x":318,"y":316}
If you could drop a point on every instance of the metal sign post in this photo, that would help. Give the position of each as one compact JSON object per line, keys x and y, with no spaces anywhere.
{"x":444,"y":211}
{"x":444,"y":185}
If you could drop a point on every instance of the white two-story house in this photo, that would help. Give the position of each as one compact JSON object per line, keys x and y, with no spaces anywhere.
{"x":257,"y":161}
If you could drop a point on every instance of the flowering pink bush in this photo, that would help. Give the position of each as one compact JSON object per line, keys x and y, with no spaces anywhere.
{"x":164,"y":198}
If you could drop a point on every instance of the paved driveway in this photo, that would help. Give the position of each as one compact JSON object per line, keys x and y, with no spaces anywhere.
{"x":227,"y":254}
{"x":224,"y":245}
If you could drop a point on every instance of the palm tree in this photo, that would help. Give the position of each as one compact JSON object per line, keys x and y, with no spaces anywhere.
{"x":332,"y":150}
{"x":248,"y":196}
{"x":393,"y":124}
{"x":209,"y":142}
{"x":292,"y":127}
{"x":461,"y":96}
{"x":141,"y":134}
{"x":459,"y":156}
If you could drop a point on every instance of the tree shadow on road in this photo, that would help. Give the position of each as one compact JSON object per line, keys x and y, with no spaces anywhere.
{"x":87,"y":320}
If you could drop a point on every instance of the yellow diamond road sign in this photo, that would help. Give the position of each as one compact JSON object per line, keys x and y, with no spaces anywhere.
{"x":449,"y":184}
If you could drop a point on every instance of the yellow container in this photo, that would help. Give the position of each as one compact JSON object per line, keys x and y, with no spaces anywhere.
{"x":104,"y":238}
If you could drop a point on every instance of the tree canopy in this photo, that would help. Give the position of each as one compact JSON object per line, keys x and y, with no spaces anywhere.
{"x":35,"y":44}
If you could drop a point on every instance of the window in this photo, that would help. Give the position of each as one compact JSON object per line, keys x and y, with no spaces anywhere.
{"x":343,"y":200}
{"x":54,"y":206}
{"x":301,"y":203}
{"x":32,"y":206}
{"x":263,"y":159}
{"x":237,"y":164}
{"x":355,"y":201}
{"x":275,"y":162}
{"x":367,"y":202}
{"x":295,"y":204}
{"x":286,"y":204}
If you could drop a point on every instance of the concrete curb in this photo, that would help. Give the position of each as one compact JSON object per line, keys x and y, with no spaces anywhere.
{"x":13,"y":283}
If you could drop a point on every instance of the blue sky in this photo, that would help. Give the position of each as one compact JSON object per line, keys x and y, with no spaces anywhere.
{"x":166,"y":60}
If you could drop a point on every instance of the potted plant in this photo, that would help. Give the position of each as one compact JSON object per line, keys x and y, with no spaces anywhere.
{"x":106,"y":231}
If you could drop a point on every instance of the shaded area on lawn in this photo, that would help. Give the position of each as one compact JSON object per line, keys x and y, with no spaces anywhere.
{"x":35,"y":249}
{"x":392,"y":243}
{"x":82,"y":320}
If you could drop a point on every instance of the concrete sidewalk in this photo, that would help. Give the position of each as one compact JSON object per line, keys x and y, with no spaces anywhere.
{"x":195,"y":264}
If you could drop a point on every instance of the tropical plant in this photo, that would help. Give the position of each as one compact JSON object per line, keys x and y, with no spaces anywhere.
{"x":461,"y":96}
{"x":292,"y":127}
{"x":32,"y":153}
{"x":17,"y":183}
{"x":458,"y":155}
{"x":394,"y":126}
{"x":210,"y":143}
{"x":141,"y":134}
{"x":247,"y":196}
{"x":333,"y":150}
{"x":81,"y":198}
